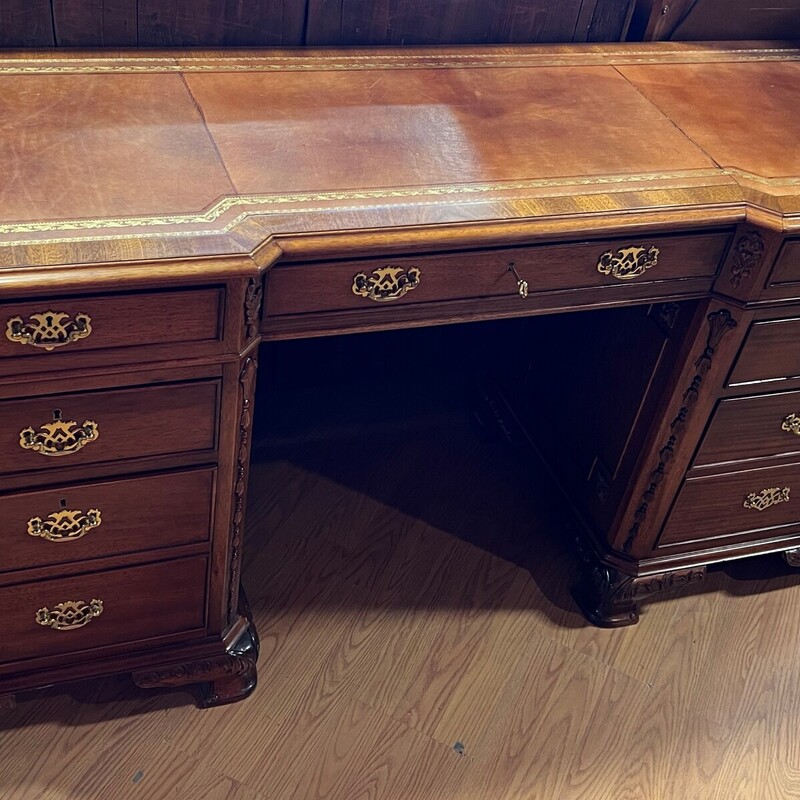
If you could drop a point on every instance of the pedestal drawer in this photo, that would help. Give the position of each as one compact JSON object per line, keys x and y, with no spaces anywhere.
{"x":756,"y":503}
{"x":92,"y":427}
{"x":745,"y":428}
{"x":71,"y":324}
{"x":771,"y":352}
{"x":104,"y":608}
{"x":72,"y":523}
{"x":305,"y":288}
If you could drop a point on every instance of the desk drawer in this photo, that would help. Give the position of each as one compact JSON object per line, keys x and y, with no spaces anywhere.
{"x":115,"y":607}
{"x":752,"y":427}
{"x":752,"y":504}
{"x":70,"y":324}
{"x":72,"y":523}
{"x":771,"y":352}
{"x":92,"y":427}
{"x":305,"y":288}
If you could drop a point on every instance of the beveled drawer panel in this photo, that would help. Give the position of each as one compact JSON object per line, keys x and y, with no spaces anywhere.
{"x":771,"y":352}
{"x":758,"y":503}
{"x":92,"y":427}
{"x":72,"y":523}
{"x":752,"y":427}
{"x":118,"y":606}
{"x":71,"y":324}
{"x":304,"y":288}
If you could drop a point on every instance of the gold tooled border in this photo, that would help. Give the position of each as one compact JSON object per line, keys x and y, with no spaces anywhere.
{"x":302,"y":199}
{"x":530,"y":56}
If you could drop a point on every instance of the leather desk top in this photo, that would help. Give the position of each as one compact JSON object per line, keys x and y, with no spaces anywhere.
{"x":216,"y":163}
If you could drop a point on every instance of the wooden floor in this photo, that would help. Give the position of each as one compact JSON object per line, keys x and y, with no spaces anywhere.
{"x":419,"y":643}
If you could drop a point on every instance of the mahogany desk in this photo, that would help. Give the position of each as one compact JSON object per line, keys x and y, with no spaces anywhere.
{"x":161,"y":214}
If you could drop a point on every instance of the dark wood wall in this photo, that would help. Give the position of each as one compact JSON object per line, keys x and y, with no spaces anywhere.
{"x":179,"y":23}
{"x":690,"y":20}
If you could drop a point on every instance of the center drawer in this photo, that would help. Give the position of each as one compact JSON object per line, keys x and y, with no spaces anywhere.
{"x":129,"y":605}
{"x":72,"y":523}
{"x":109,"y":425}
{"x":306,"y":288}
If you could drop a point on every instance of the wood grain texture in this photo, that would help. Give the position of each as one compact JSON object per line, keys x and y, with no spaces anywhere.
{"x":213,"y":23}
{"x":26,"y":23}
{"x":95,"y":23}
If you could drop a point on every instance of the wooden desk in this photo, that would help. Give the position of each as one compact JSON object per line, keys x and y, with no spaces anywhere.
{"x":161,"y":214}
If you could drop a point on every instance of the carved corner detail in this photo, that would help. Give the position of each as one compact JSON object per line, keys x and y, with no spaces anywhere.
{"x":719,"y":322}
{"x":747,"y":254}
{"x":792,"y":557}
{"x":252,"y":307}
{"x":608,"y":597}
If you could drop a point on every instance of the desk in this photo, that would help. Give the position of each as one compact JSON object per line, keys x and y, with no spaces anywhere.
{"x":163,"y":213}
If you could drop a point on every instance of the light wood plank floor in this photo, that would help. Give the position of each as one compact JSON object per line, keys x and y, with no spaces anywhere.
{"x":419,"y":643}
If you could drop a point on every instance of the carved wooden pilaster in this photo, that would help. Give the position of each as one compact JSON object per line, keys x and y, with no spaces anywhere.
{"x":252,"y":307}
{"x":608,"y":597}
{"x":247,"y":382}
{"x":719,"y":323}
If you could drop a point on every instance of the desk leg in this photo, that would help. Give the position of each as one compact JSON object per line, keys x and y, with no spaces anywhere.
{"x":609,"y":598}
{"x":222,"y":679}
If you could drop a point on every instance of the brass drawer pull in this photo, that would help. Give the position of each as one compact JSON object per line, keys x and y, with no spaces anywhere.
{"x":791,"y":424}
{"x":49,"y":330}
{"x":628,"y":262}
{"x":59,"y":437}
{"x":65,"y":526}
{"x":69,"y":615}
{"x":386,"y":283}
{"x":522,"y":284}
{"x":759,"y":501}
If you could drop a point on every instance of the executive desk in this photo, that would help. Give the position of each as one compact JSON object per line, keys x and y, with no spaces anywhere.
{"x":164,"y":213}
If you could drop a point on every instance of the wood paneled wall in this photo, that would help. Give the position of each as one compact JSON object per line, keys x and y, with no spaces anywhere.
{"x":180,"y":23}
{"x":689,"y":20}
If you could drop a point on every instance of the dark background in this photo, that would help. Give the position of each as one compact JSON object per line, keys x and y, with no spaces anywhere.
{"x":212,"y":23}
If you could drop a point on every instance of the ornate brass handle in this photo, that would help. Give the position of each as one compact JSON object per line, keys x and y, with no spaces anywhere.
{"x":628,"y":262}
{"x":49,"y":330}
{"x":69,"y":615}
{"x":65,"y":526}
{"x":522,"y":284}
{"x":59,"y":437}
{"x":759,"y":501}
{"x":791,"y":424}
{"x":386,"y":283}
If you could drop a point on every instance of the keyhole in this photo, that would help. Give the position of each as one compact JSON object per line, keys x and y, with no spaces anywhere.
{"x":63,"y":502}
{"x":56,"y":414}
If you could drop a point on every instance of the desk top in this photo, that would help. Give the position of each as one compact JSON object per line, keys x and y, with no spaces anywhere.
{"x":232,"y":158}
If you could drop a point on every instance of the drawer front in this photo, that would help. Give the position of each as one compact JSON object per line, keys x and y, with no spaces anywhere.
{"x":115,"y":607}
{"x":92,"y":427}
{"x":91,"y":520}
{"x":786,"y":271}
{"x":756,"y":503}
{"x":771,"y":352}
{"x":304,"y":288}
{"x":70,"y":324}
{"x":752,"y":427}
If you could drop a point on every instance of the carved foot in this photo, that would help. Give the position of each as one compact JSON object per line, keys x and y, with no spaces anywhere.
{"x":608,"y":597}
{"x":220,"y":679}
{"x":7,"y":702}
{"x":792,"y":557}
